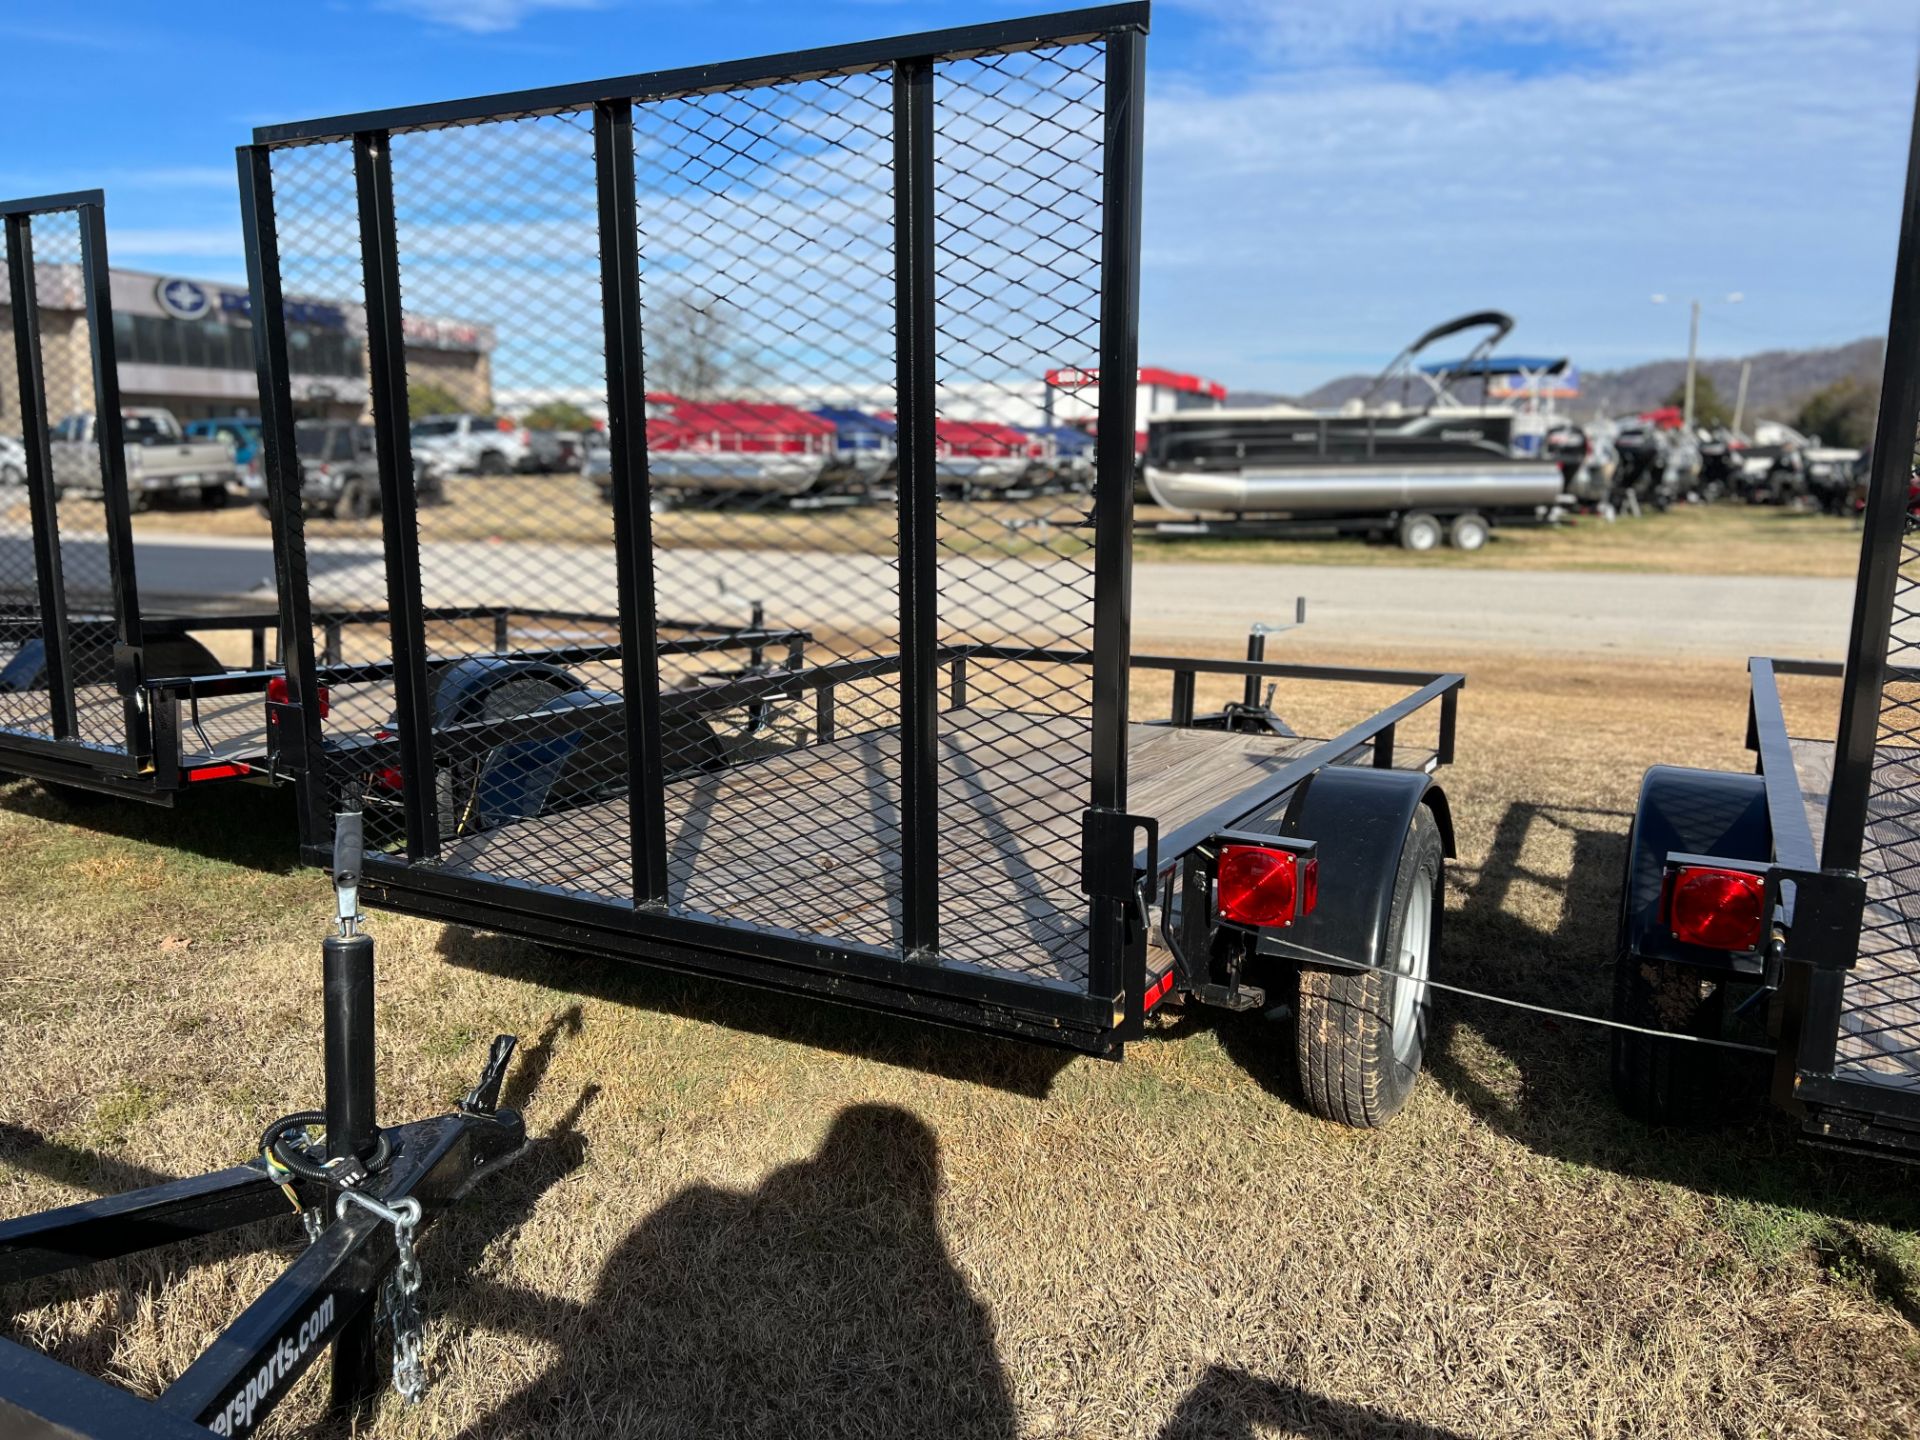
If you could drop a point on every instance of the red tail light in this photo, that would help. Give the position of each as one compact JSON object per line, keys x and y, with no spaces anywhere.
{"x":1718,"y":909}
{"x":1265,"y":887}
{"x":278,"y":692}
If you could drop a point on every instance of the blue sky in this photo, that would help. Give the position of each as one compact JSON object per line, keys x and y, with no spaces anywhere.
{"x":1325,"y":178}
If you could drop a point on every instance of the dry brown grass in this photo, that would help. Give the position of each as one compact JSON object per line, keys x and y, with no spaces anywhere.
{"x":1716,"y":540}
{"x":761,"y":1216}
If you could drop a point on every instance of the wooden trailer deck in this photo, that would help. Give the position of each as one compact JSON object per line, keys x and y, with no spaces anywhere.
{"x":1880,"y":1017}
{"x":807,"y":841}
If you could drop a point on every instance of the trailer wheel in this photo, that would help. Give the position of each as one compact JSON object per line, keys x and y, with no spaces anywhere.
{"x":1676,"y":1082}
{"x":1419,"y":531}
{"x":1360,"y":1034}
{"x":1469,"y":532}
{"x":213,"y":497}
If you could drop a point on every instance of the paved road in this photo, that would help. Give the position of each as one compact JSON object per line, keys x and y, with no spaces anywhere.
{"x":1436,"y":611}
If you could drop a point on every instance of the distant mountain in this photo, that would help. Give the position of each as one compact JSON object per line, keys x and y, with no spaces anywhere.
{"x":1780,"y":381}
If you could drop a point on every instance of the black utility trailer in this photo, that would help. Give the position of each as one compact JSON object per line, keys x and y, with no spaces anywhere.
{"x":102,"y":688}
{"x":933,"y":799}
{"x":107,"y":686}
{"x":1780,"y":911}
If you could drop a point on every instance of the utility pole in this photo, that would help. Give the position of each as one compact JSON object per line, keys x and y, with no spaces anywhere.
{"x":1693,"y":363}
{"x":1693,"y":350}
{"x":1740,"y":403}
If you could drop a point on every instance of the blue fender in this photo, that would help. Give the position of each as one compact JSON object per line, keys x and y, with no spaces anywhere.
{"x":27,"y":670}
{"x":1357,"y":817}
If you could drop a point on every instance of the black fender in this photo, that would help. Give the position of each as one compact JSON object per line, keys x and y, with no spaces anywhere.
{"x":460,"y":690}
{"x":1357,"y":817}
{"x":91,"y":653}
{"x":1687,"y":812}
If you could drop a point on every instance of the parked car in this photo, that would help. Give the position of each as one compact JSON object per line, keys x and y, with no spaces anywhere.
{"x":340,"y":472}
{"x":161,"y":460}
{"x":472,"y":444}
{"x":554,"y":451}
{"x":244,"y":433}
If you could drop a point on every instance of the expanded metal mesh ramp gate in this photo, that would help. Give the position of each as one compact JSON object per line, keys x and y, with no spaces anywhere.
{"x":779,"y":624}
{"x":1858,"y":1057}
{"x":69,"y":618}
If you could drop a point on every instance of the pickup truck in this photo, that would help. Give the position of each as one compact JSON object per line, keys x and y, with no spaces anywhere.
{"x":340,"y":473}
{"x":472,"y":444}
{"x":160,"y":460}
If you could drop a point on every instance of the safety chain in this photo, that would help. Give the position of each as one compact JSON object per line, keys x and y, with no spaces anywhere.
{"x":400,"y":1295}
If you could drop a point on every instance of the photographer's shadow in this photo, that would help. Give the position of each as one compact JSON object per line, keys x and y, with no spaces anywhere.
{"x":823,"y":1301}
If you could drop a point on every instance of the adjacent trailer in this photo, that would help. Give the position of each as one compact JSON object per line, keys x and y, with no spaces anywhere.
{"x":930,"y":796}
{"x":101,"y":688}
{"x":1779,"y":912}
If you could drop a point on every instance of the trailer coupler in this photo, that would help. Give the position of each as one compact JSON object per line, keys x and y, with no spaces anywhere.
{"x":362,"y":1191}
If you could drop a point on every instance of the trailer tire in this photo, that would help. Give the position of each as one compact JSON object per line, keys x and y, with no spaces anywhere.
{"x":1676,"y":1082}
{"x":213,"y":497}
{"x":1360,"y":1035}
{"x":1420,"y":531}
{"x":1469,"y":532}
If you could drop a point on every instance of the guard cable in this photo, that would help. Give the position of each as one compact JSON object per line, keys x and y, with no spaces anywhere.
{"x":1307,"y":952}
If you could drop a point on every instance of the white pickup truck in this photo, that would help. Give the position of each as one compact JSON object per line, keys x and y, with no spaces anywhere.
{"x":160,"y":460}
{"x":472,"y":444}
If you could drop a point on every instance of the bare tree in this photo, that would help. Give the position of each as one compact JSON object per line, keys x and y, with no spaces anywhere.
{"x":693,"y":347}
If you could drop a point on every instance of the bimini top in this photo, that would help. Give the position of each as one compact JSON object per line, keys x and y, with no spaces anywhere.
{"x":1487,"y":366}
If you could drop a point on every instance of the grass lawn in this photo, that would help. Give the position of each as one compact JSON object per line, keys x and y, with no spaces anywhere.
{"x":1698,"y":540}
{"x":756,"y":1215}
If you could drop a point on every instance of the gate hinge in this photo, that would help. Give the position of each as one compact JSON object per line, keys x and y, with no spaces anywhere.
{"x":1107,"y":854}
{"x":286,"y":738}
{"x":1828,"y":908}
{"x":129,"y":668}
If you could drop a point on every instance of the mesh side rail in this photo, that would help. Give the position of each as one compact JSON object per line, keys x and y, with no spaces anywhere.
{"x":1880,"y":1012}
{"x":679,"y":626}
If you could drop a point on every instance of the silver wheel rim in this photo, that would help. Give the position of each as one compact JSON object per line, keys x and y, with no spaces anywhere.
{"x":1415,"y":962}
{"x":1423,"y":537}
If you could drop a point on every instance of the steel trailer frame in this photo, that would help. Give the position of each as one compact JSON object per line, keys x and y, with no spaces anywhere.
{"x":1122,"y":862}
{"x":1826,"y":895}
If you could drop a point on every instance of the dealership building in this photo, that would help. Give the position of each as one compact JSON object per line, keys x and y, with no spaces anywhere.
{"x":187,"y":345}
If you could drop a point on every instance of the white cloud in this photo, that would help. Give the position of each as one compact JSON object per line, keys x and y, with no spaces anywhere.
{"x":482,"y":17}
{"x":1377,"y":164}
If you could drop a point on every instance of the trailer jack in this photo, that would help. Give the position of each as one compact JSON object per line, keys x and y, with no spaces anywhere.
{"x":362,"y":1192}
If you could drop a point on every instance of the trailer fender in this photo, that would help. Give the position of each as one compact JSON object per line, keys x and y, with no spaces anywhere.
{"x":1358,"y":818}
{"x":165,"y":657}
{"x":461,"y":690}
{"x":1687,"y":812}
